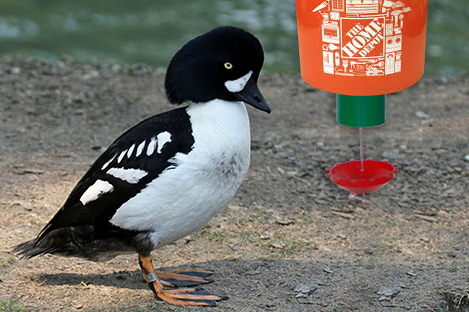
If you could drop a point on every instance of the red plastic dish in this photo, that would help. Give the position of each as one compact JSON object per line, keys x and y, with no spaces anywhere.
{"x":350,"y":177}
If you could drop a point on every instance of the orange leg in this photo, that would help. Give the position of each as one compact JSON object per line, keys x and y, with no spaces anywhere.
{"x":187,"y":296}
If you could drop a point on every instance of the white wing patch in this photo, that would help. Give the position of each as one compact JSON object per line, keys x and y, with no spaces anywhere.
{"x":140,"y":149}
{"x":238,"y":84}
{"x":151,"y":147}
{"x":132,"y":176}
{"x":131,"y":150}
{"x":121,"y":156}
{"x":163,"y":138}
{"x":107,"y":164}
{"x":156,"y":143}
{"x":99,"y":188}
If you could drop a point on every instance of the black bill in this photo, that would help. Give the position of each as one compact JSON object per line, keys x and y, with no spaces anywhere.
{"x":252,"y":96}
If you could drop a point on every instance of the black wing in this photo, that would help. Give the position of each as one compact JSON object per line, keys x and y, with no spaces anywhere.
{"x":119,"y":155}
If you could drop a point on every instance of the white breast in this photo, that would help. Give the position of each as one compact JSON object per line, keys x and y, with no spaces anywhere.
{"x":184,"y":198}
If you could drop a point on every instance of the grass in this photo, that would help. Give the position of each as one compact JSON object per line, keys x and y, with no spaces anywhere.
{"x":390,"y":223}
{"x":6,"y":262}
{"x":282,"y":245}
{"x":206,"y":233}
{"x":392,"y":248}
{"x":457,"y":301}
{"x":11,"y":305}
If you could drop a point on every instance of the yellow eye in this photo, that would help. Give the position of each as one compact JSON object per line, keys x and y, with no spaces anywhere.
{"x":228,"y":65}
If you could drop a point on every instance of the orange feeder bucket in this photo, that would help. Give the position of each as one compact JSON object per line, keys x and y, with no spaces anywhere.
{"x":361,"y":50}
{"x":362,"y":47}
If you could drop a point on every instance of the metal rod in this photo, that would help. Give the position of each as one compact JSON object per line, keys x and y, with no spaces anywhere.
{"x":361,"y":149}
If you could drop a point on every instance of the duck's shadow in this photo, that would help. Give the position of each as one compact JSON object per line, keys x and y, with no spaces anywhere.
{"x":226,"y":272}
{"x":121,"y":279}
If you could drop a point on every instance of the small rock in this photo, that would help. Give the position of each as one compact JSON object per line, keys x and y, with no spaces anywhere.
{"x":345,"y":209}
{"x":422,"y":115}
{"x":322,"y":195}
{"x":388,"y":292}
{"x":426,"y":218}
{"x":407,"y":251}
{"x":405,"y":198}
{"x":342,"y":236}
{"x":15,"y":70}
{"x":426,"y":211}
{"x":278,"y":246}
{"x":90,"y":75}
{"x":28,"y":171}
{"x":343,"y":215}
{"x":283,"y":221}
{"x":391,"y":154}
{"x":305,"y":289}
{"x":188,"y":239}
{"x":466,"y":158}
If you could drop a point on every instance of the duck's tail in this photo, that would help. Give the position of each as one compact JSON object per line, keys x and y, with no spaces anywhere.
{"x":32,"y":249}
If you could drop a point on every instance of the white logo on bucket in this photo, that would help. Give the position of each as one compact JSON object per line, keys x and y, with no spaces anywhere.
{"x":362,"y":37}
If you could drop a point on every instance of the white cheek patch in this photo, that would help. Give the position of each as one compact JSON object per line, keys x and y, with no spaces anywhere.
{"x":163,"y":138}
{"x":132,"y":176}
{"x":238,"y":84}
{"x":96,"y":190}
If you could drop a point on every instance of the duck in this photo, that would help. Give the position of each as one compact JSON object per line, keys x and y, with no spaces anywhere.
{"x":167,"y":176}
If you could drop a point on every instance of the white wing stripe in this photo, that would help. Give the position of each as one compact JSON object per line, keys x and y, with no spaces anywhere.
{"x":151,"y":147}
{"x":121,"y":156}
{"x":99,"y":188}
{"x":132,"y":176}
{"x":163,"y":138}
{"x":140,"y":149}
{"x":157,"y":143}
{"x":107,"y":164}
{"x":131,"y":149}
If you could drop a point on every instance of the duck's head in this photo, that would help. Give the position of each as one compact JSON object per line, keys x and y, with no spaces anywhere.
{"x":222,"y":64}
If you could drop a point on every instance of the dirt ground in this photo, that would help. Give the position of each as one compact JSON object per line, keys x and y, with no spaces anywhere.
{"x":290,"y":240}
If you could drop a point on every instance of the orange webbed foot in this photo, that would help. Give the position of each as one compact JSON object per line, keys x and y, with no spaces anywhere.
{"x":183,"y":277}
{"x":185,"y":296}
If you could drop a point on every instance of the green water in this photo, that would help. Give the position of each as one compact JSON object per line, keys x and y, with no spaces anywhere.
{"x":135,"y":31}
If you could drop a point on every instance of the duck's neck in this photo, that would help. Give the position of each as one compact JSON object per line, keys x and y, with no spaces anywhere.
{"x":220,"y":117}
